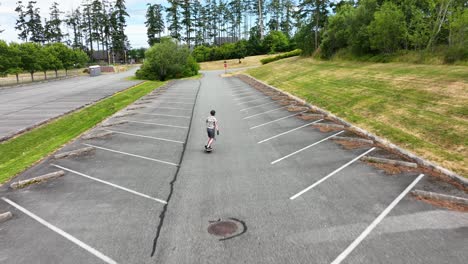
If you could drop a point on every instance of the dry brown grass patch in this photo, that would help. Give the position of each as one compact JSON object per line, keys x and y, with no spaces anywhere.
{"x":444,"y":204}
{"x":352,"y":144}
{"x":390,"y":168}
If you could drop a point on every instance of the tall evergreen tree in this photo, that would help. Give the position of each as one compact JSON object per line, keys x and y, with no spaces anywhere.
{"x":235,"y":7}
{"x":313,"y":13}
{"x":287,"y":23}
{"x":260,"y":22}
{"x":173,"y":19}
{"x":118,"y":22}
{"x":198,"y":20}
{"x":73,"y":20}
{"x":274,"y":8}
{"x":154,"y":23}
{"x":52,"y":30}
{"x":34,"y":23}
{"x":21,"y":22}
{"x":187,"y":20}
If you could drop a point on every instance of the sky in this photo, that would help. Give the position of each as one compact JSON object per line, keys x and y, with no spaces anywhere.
{"x":136,"y":29}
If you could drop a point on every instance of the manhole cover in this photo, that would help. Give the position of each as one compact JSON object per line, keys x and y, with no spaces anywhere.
{"x":222,"y":228}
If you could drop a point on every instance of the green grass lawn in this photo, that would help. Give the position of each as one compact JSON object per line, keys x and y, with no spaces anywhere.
{"x":19,"y":153}
{"x":423,"y":108}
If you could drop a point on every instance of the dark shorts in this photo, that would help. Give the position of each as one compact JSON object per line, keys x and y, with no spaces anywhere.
{"x":211,"y":133}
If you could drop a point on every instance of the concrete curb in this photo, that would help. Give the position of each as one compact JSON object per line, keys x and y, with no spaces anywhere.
{"x":389,"y":161}
{"x":97,"y":135}
{"x":74,"y":153}
{"x":124,"y":115}
{"x":141,"y":103}
{"x":5,"y":216}
{"x":331,"y":126}
{"x":135,"y":107}
{"x":353,"y":139}
{"x":42,"y":178}
{"x":440,"y":197}
{"x":384,"y":143}
{"x":115,"y":123}
{"x":279,"y":97}
{"x":295,"y":108}
{"x":309,"y":116}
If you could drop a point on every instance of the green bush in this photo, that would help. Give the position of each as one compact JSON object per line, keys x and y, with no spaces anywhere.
{"x":293,"y":53}
{"x":276,"y":41}
{"x":454,"y":54}
{"x":167,"y":60}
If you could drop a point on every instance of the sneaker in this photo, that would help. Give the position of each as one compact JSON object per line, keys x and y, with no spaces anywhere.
{"x":206,"y":147}
{"x":210,"y":148}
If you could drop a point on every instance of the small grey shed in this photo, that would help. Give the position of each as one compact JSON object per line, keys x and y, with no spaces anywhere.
{"x":94,"y":70}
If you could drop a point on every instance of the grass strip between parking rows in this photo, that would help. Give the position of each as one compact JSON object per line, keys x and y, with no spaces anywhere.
{"x":21,"y":152}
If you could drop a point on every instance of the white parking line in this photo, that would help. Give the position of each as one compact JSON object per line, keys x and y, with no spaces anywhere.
{"x":156,"y":124}
{"x":329,"y":175}
{"x":379,"y":219}
{"x":269,"y":111}
{"x":174,"y":97}
{"x":253,"y":100}
{"x":143,"y":136}
{"x":302,"y":149}
{"x":110,"y":184}
{"x":276,"y":120}
{"x":141,"y":113}
{"x":241,"y":98}
{"x":173,"y":108}
{"x":257,"y":106}
{"x":289,"y":131}
{"x":169,"y":93}
{"x":59,"y":231}
{"x":133,"y":155}
{"x":176,"y":103}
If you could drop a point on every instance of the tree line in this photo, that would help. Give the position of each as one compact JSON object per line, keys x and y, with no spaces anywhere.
{"x":96,"y":25}
{"x":385,"y":27}
{"x":33,"y":57}
{"x":364,"y":26}
{"x":222,"y":29}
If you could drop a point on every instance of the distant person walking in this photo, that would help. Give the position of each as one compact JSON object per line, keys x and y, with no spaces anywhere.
{"x":211,"y":126}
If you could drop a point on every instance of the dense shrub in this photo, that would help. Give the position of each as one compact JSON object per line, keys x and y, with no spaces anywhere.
{"x":226,"y":51}
{"x":276,"y":41}
{"x":167,"y":60}
{"x":293,"y":53}
{"x":454,"y":54}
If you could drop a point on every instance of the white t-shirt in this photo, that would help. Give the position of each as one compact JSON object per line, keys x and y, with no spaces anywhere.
{"x":211,"y":122}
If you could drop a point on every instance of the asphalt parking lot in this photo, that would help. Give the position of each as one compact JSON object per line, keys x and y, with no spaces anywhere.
{"x":299,"y":197}
{"x":110,"y":200}
{"x":29,"y":105}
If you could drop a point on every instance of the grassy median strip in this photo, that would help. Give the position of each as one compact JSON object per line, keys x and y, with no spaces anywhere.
{"x":19,"y":153}
{"x":420,"y":107}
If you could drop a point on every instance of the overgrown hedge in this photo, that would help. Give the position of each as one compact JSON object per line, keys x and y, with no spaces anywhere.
{"x":292,"y":53}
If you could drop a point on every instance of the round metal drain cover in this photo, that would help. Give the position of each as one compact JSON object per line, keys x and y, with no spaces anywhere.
{"x":223,"y":228}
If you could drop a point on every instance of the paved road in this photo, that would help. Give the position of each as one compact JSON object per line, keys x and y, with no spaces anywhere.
{"x":330,"y":223}
{"x":26,"y":106}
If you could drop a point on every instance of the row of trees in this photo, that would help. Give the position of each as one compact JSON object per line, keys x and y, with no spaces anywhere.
{"x":384,"y":27}
{"x":363,"y":26}
{"x":33,"y":57}
{"x":97,"y":25}
{"x":275,"y":41}
{"x":196,"y":22}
